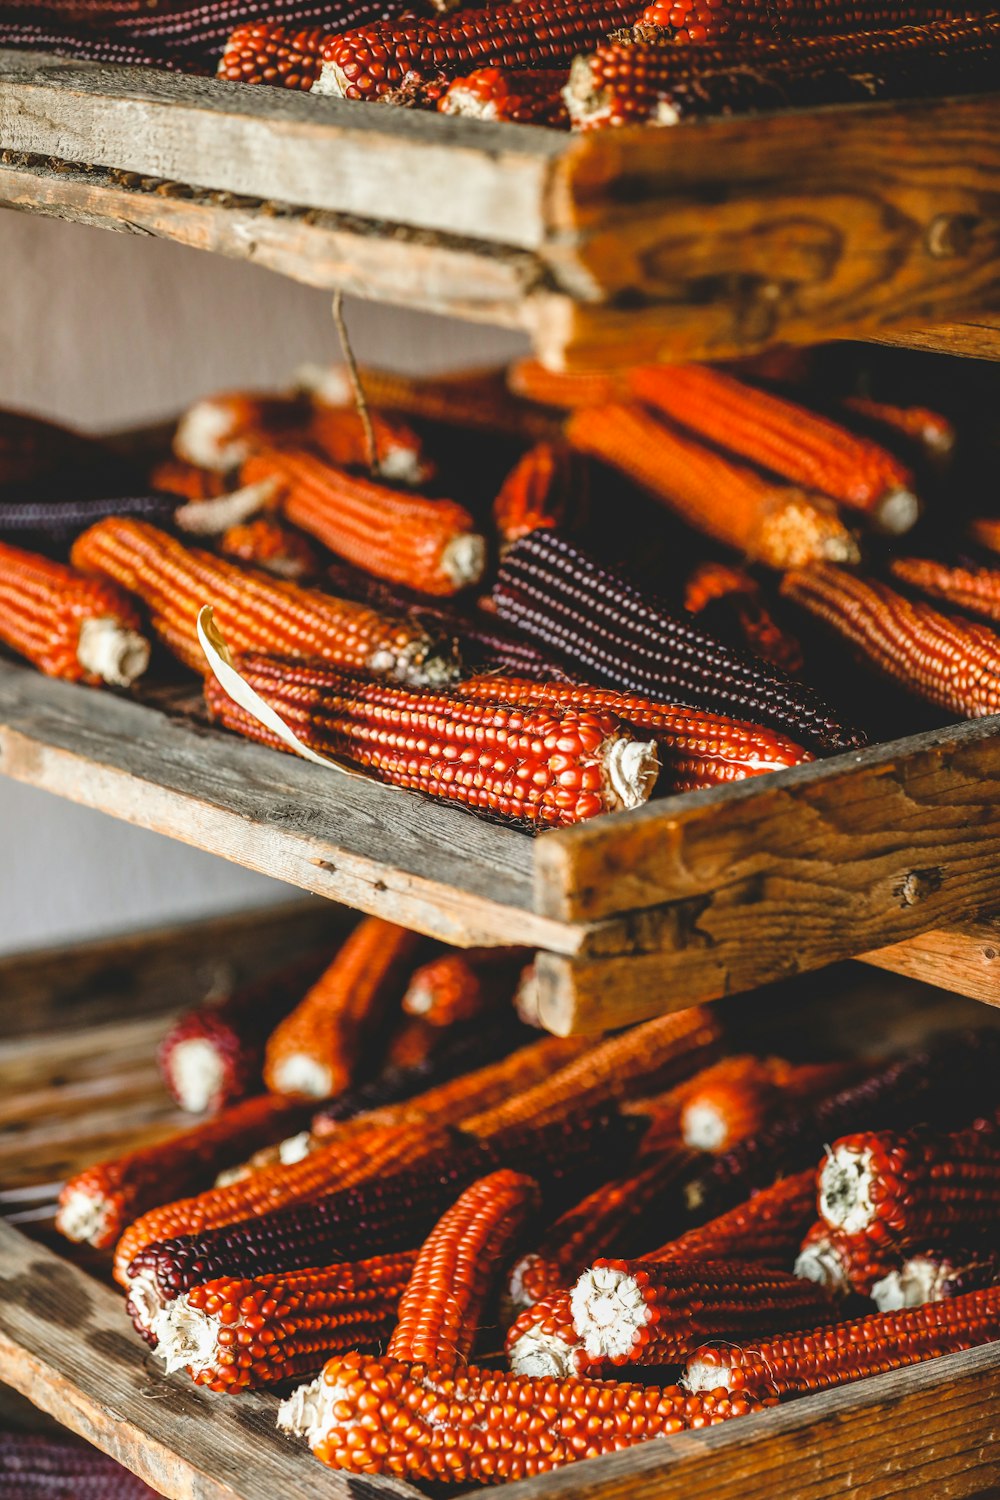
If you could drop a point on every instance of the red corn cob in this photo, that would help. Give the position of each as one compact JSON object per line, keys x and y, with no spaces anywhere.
{"x":174,"y":476}
{"x":33,"y":1467}
{"x":707,"y":21}
{"x":264,"y":52}
{"x":658,"y":1312}
{"x":320,"y":1048}
{"x":566,"y":388}
{"x":842,"y":1263}
{"x":69,"y":626}
{"x":766,"y":1230}
{"x":542,"y":1340}
{"x":767,"y":520}
{"x":543,"y":767}
{"x":254,"y":612}
{"x":367,"y":63}
{"x":662,"y":1051}
{"x":974,"y":589}
{"x":340,"y":434}
{"x":790,"y":1366}
{"x":221,"y":432}
{"x":412,"y":1044}
{"x":98,"y":1203}
{"x":460,"y":986}
{"x":475,"y":399}
{"x":936,"y":1276}
{"x":268,"y":544}
{"x":427,"y":545}
{"x":241,"y":1334}
{"x":538,"y":491}
{"x":443,"y":1304}
{"x":740,"y":1095}
{"x":779,"y":435}
{"x":953,"y":663}
{"x":931,"y":432}
{"x":380,"y":1417}
{"x":731,"y":599}
{"x":526,"y":96}
{"x":986,"y":531}
{"x":904,"y":1189}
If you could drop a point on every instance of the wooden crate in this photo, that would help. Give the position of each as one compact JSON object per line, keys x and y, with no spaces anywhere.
{"x":65,"y":1341}
{"x":711,"y":239}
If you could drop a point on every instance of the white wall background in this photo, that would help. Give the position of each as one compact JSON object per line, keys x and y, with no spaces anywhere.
{"x":103,"y":330}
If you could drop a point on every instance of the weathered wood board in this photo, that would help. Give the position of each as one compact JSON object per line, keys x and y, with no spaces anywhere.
{"x":963,"y":957}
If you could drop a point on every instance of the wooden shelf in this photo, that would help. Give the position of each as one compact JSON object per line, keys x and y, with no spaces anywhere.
{"x":708,"y":240}
{"x":689,"y":898}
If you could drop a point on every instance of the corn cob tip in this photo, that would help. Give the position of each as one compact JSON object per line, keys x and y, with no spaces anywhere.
{"x":805,"y":526}
{"x":109,"y":650}
{"x":309,"y":1411}
{"x":896,"y":512}
{"x":630,"y":771}
{"x":608,"y":1310}
{"x":709,"y":1370}
{"x":845,"y":1184}
{"x":82,"y":1217}
{"x":197,"y":1073}
{"x":206,"y":436}
{"x":819,"y":1262}
{"x":185,"y":1336}
{"x":913,"y":1284}
{"x":417,"y":665}
{"x":545,"y":1355}
{"x":332,"y":82}
{"x":463,"y":559}
{"x":213,"y":517}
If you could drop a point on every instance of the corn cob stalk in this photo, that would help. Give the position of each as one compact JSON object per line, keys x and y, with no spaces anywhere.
{"x":538,"y":491}
{"x":936,"y":1276}
{"x":256,"y":613}
{"x":427,"y":545}
{"x":443,"y":1305}
{"x":369,"y":62}
{"x":340,"y":435}
{"x":732,"y":605}
{"x":791,"y":1366}
{"x":568,"y":389}
{"x":266,"y":543}
{"x":461,"y":986}
{"x":381,"y":1417}
{"x":322,"y":1045}
{"x":33,"y":1466}
{"x":659,"y":1312}
{"x":766,"y":1229}
{"x":602,"y":625}
{"x":264,"y":52}
{"x":929,"y":431}
{"x":240,"y":1334}
{"x":740,"y":1095}
{"x":99,"y":1202}
{"x":704,"y":21}
{"x":222,"y":432}
{"x":524,"y":95}
{"x":542,"y":767}
{"x":949,"y":662}
{"x":661,"y":1052}
{"x":900,"y":1189}
{"x":764,"y":518}
{"x":968,"y":588}
{"x":542,"y":1341}
{"x":81,"y":629}
{"x":842,"y":1263}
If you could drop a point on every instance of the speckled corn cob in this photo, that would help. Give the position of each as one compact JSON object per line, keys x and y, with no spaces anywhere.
{"x":525,"y":96}
{"x":321,"y":1046}
{"x":949,"y":662}
{"x":380,"y":1417}
{"x":790,"y":1366}
{"x":253,"y":612}
{"x":709,"y":20}
{"x":459,"y":986}
{"x":731,"y":604}
{"x":242,"y":1334}
{"x":542,"y":1340}
{"x":443,"y":1304}
{"x":936,"y":1276}
{"x":842,"y":1263}
{"x":264,"y":52}
{"x":766,"y":1229}
{"x":37,"y":1467}
{"x":603,"y":626}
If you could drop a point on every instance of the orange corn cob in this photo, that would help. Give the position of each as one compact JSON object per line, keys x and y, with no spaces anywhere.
{"x":952,"y":663}
{"x":541,"y":767}
{"x":427,"y":545}
{"x":221,"y":432}
{"x":696,"y":749}
{"x":740,"y":1095}
{"x":524,"y":95}
{"x":848,"y":1351}
{"x":842,"y":1263}
{"x":542,"y":1340}
{"x":974,"y":589}
{"x":766,"y":1230}
{"x":661,"y":1051}
{"x":459,"y":986}
{"x":708,"y":20}
{"x":238,"y":1334}
{"x":264,"y":52}
{"x":906,"y":1189}
{"x":380,"y":1417}
{"x":659,"y":1312}
{"x":412,"y":1044}
{"x":254,"y":612}
{"x":538,"y":491}
{"x":931,"y":432}
{"x":340,"y":435}
{"x":769,"y":521}
{"x":566,"y":388}
{"x":81,"y":629}
{"x":268,"y":544}
{"x":476,"y":399}
{"x":732,"y":599}
{"x":776,"y":434}
{"x":174,"y":476}
{"x":99,"y":1202}
{"x":442,"y":1306}
{"x":986,"y":531}
{"x":320,"y":1048}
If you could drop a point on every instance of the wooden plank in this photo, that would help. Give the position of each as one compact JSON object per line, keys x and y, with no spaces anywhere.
{"x":978,"y":339}
{"x":963,"y":958}
{"x":379,"y":850}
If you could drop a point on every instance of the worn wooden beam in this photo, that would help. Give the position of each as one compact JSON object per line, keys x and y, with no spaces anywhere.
{"x":977,"y":338}
{"x":963,"y":958}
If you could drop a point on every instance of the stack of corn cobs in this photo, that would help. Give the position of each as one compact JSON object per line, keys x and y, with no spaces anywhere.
{"x":618,"y":604}
{"x":471,"y":1255}
{"x":589,"y":63}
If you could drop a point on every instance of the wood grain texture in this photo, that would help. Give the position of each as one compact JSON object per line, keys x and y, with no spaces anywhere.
{"x":978,"y":339}
{"x":963,"y":958}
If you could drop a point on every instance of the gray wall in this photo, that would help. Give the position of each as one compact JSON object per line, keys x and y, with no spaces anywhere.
{"x":104,"y":330}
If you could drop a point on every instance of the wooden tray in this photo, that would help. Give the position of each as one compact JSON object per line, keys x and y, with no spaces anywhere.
{"x":703,"y":241}
{"x":65,"y":1342}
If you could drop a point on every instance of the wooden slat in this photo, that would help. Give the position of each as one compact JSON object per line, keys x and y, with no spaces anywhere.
{"x":963,"y":958}
{"x":973,"y":339}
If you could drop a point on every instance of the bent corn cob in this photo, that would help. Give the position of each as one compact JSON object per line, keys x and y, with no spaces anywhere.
{"x":841,"y":1263}
{"x":952,"y":663}
{"x":381,"y":1417}
{"x":791,"y":1366}
{"x":426,"y":545}
{"x":766,"y":1230}
{"x":322,"y":1045}
{"x":740,"y":1095}
{"x":542,"y":767}
{"x":659,"y":1312}
{"x":254,"y":612}
{"x":706,"y":21}
{"x":936,"y":1276}
{"x":524,"y":95}
{"x":903,"y":1189}
{"x":238,"y":1334}
{"x":99,"y":1202}
{"x":542,"y":1340}
{"x":538,"y":491}
{"x":974,"y":589}
{"x":731,"y":599}
{"x":69,"y":626}
{"x":768,"y":520}
{"x":442,"y":1307}
{"x":264,"y":52}
{"x":461,"y":986}
{"x":36,"y":1467}
{"x":268,"y":544}
{"x":602,"y":625}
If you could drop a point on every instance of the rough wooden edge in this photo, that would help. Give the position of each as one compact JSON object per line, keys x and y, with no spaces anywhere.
{"x":964,"y":959}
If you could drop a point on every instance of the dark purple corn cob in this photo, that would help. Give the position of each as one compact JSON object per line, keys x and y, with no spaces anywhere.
{"x":46,"y":525}
{"x":394,"y":1212}
{"x":602,"y":626}
{"x":33,"y":1467}
{"x":48,"y":33}
{"x":196,"y":32}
